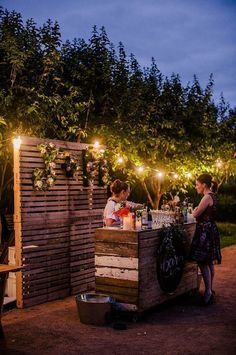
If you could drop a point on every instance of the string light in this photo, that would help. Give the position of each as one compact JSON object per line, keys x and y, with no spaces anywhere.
{"x":160,"y":174}
{"x":219,"y":163}
{"x":96,"y":145}
{"x":140,"y":169}
{"x":17,"y":142}
{"x":120,"y":160}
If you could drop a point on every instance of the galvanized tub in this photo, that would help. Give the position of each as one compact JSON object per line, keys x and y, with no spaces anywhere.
{"x":94,"y":308}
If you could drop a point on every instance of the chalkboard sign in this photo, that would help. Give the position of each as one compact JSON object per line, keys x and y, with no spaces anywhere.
{"x":170,"y":258}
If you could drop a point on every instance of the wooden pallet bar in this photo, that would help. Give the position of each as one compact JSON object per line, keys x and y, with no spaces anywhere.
{"x":126,"y":266}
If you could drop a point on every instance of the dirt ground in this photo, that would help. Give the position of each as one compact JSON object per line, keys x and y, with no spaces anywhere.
{"x":179,"y":327}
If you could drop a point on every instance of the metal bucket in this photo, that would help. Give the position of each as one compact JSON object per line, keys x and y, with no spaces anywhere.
{"x":94,"y":308}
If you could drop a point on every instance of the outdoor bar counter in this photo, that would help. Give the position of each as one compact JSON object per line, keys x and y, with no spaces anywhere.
{"x":126,"y":267}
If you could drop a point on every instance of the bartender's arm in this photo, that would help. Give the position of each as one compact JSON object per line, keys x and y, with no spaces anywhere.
{"x":111,"y":222}
{"x":204,"y":203}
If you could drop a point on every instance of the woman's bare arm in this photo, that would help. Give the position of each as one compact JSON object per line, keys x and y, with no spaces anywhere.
{"x":204,"y":203}
{"x":111,"y":222}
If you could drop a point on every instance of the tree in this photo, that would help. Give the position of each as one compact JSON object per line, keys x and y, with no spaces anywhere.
{"x":169,"y":160}
{"x":76,"y":90}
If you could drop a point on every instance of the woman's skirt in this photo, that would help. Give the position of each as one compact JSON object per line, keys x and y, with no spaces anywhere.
{"x":205,"y":247}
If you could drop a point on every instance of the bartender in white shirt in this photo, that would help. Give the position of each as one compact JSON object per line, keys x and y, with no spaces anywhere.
{"x":120,"y":191}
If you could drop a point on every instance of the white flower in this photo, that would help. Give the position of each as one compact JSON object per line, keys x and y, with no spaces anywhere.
{"x":39,"y":184}
{"x":50,"y":181}
{"x":43,"y":150}
{"x":52,"y":165}
{"x":51,"y":145}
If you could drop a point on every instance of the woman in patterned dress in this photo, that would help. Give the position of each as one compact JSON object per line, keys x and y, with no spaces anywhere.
{"x":205,"y":248}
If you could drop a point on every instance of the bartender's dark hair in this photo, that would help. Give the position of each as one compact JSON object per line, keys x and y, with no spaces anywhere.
{"x":207,"y":179}
{"x":117,"y":186}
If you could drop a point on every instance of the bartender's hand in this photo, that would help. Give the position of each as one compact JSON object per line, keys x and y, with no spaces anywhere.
{"x":111,"y":222}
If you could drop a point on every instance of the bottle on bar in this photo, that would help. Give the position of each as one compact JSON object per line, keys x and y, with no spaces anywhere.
{"x":149,"y":218}
{"x":185,"y":212}
{"x":144,"y":218}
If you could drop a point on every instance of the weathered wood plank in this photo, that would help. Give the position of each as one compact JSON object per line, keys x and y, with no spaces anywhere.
{"x":116,"y":282}
{"x":118,"y":297}
{"x":116,"y":235}
{"x":113,"y":248}
{"x":116,"y":261}
{"x":117,"y":273}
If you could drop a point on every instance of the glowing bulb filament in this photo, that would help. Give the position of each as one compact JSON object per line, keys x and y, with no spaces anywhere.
{"x":17,"y":142}
{"x":160,"y":174}
{"x":96,"y":145}
{"x":140,"y":169}
{"x":120,"y":160}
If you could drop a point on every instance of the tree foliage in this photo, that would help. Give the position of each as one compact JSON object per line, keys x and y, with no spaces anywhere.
{"x":79,"y":90}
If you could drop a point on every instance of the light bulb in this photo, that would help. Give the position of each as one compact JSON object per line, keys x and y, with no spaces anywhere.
{"x":219,"y":163}
{"x":17,"y":142}
{"x":120,"y":160}
{"x":140,"y":169}
{"x":159,"y":174}
{"x":96,"y":145}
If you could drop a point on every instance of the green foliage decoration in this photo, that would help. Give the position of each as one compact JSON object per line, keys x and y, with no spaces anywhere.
{"x":70,"y":166}
{"x":95,"y":166}
{"x":44,"y":179}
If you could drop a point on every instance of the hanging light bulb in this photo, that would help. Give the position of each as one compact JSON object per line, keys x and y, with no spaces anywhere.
{"x":175,"y":176}
{"x":140,"y":169}
{"x":96,"y":145}
{"x":17,"y":142}
{"x":189,"y":175}
{"x":160,"y":174}
{"x":219,"y":163}
{"x":120,"y":160}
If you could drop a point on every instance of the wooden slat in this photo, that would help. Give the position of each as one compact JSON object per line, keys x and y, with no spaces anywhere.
{"x":112,"y":248}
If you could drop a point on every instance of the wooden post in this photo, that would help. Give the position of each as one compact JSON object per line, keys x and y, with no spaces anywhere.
{"x":17,"y":226}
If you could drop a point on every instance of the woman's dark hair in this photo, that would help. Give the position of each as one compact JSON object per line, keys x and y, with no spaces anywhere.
{"x":117,"y":186}
{"x":207,"y":179}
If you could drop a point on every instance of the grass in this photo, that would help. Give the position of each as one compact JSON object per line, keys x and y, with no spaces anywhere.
{"x":227,"y":233}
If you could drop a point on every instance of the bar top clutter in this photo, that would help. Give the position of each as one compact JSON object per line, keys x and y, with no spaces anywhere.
{"x":154,"y":219}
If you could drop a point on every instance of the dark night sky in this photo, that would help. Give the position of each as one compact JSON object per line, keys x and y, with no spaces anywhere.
{"x":186,"y":37}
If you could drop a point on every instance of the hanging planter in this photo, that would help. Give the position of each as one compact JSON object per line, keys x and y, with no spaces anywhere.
{"x":70,"y":166}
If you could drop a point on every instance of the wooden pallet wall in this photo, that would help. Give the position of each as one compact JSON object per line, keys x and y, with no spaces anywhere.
{"x":54,"y":229}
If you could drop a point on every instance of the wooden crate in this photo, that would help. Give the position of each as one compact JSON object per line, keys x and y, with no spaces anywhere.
{"x":125,"y":263}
